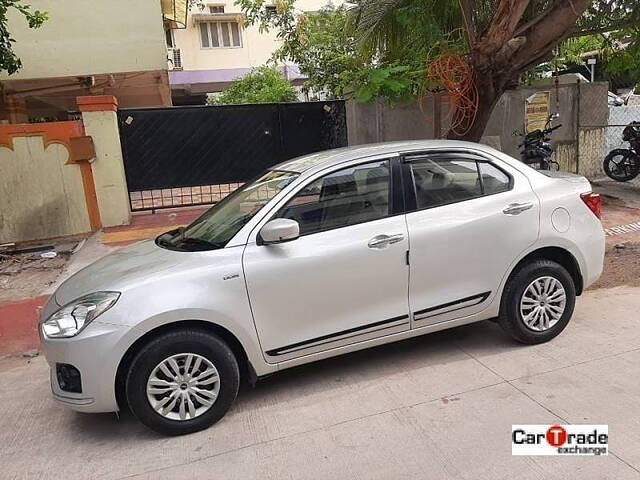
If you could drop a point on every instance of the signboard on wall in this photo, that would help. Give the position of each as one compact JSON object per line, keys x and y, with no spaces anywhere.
{"x":536,"y":111}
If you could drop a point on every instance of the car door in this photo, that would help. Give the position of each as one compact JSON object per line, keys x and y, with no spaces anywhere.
{"x":468,"y":219}
{"x":345,"y":279}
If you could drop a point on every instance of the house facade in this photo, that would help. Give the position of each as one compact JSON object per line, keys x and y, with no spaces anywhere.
{"x":86,"y":47}
{"x":217,"y":47}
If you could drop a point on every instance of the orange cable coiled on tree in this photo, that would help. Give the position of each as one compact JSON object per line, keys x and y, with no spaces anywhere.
{"x":453,"y":74}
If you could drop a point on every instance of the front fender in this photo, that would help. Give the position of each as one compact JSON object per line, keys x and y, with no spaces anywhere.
{"x":243,"y":331}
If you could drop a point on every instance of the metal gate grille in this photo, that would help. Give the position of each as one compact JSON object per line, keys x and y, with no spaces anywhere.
{"x":197,"y":155}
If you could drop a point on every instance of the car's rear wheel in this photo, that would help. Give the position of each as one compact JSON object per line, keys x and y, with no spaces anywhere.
{"x":537,"y":302}
{"x":182,"y":381}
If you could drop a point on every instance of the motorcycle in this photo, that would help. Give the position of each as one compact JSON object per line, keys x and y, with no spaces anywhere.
{"x":537,"y":149}
{"x":623,"y":164}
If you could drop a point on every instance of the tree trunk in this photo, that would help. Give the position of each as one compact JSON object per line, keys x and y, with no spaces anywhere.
{"x":487,"y":101}
{"x":488,"y":95}
{"x":507,"y":48}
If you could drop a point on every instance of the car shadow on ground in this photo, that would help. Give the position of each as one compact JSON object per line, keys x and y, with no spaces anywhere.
{"x":431,"y":349}
{"x":322,"y":376}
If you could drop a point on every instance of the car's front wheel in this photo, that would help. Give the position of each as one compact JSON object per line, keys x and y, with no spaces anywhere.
{"x":537,"y":302}
{"x":182,"y":381}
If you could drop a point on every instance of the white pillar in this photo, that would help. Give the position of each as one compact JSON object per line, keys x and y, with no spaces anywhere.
{"x":101,"y":123}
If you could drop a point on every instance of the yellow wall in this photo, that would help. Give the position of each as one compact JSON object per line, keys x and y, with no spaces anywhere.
{"x":256,"y":49}
{"x":84,"y":37}
{"x":40,"y":196}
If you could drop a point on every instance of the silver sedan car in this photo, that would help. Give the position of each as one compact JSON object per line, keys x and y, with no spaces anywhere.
{"x":319,"y":256}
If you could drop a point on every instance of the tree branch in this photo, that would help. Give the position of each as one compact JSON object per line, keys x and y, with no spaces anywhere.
{"x":550,"y":30}
{"x":595,"y":31}
{"x":503,"y":26}
{"x":467,"y":6}
{"x":531,"y":23}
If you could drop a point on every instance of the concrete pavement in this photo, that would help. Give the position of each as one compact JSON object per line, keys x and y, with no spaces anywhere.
{"x":438,"y":406}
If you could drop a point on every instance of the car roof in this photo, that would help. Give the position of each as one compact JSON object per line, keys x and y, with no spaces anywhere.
{"x":337,"y":156}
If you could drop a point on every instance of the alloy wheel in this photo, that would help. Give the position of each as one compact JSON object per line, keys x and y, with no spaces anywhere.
{"x":543,"y":303}
{"x":183,"y":386}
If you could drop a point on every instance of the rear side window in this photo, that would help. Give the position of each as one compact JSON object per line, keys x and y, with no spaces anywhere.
{"x":346,"y":197}
{"x":444,"y":180}
{"x":494,"y":180}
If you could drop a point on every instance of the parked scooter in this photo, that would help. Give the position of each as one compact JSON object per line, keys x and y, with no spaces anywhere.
{"x":623,"y":164}
{"x":537,"y":149}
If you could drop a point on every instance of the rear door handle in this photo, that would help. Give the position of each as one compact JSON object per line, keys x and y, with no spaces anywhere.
{"x":383,"y":241}
{"x":517,"y":208}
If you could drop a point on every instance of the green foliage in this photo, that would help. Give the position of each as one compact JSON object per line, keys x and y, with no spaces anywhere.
{"x":9,"y":61}
{"x":324,"y":51}
{"x":622,"y":58}
{"x":324,"y":46}
{"x":571,"y":51}
{"x":263,"y":85}
{"x":393,"y":82}
{"x":622,"y":67}
{"x":617,"y":53}
{"x":380,"y":48}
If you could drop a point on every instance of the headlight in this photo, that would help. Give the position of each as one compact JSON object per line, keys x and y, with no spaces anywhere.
{"x":73,"y":317}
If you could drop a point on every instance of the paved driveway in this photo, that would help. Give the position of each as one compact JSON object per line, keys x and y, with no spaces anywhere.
{"x":439,"y":406}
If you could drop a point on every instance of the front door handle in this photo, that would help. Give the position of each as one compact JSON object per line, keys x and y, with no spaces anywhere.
{"x":383,"y":241}
{"x":517,"y":208}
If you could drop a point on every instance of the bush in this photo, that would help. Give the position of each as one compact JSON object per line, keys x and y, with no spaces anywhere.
{"x":263,"y":85}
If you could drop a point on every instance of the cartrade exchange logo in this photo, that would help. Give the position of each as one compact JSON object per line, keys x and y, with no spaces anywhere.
{"x":560,"y":440}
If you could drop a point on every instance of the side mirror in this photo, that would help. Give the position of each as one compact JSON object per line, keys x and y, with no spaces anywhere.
{"x":278,"y":231}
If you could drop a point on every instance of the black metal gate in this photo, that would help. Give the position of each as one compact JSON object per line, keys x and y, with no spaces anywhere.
{"x":197,"y":155}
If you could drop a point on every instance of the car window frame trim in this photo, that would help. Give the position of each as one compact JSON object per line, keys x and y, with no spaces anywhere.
{"x":409,"y":185}
{"x":396,"y":191}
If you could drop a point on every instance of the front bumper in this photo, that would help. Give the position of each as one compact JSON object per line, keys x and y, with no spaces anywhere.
{"x":95,"y":353}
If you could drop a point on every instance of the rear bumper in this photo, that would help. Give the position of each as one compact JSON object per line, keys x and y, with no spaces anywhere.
{"x":593,"y":247}
{"x":94,"y":354}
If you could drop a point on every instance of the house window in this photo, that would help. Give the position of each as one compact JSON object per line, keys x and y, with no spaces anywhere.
{"x":271,"y":9}
{"x":168,"y":35}
{"x":220,"y":34}
{"x":216,"y":8}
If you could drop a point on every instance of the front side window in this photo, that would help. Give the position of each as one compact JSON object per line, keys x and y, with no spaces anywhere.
{"x":219,"y":224}
{"x":346,"y":197}
{"x":220,"y":34}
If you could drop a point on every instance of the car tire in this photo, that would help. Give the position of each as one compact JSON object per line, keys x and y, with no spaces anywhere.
{"x":200,"y":357}
{"x":524,"y":288}
{"x":625,"y":169}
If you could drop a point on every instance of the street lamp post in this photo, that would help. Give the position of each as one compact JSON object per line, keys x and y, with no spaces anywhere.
{"x":592,"y":68}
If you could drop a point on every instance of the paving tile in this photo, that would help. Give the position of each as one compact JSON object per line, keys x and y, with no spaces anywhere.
{"x":421,"y":408}
{"x":304,"y":399}
{"x":468,"y":438}
{"x":605,"y":322}
{"x":599,"y":392}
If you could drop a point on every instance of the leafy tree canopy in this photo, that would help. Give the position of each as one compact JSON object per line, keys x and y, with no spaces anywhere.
{"x":385,"y":47}
{"x":263,"y":85}
{"x":324,"y":46}
{"x":9,"y":61}
{"x":618,"y":55}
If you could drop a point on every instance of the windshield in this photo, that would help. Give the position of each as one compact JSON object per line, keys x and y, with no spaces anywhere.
{"x":220,"y":223}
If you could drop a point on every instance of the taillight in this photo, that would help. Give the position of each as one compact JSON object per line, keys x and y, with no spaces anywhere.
{"x":592,"y":200}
